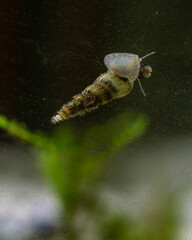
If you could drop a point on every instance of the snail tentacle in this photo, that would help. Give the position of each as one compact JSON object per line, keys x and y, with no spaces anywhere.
{"x":142,"y":90}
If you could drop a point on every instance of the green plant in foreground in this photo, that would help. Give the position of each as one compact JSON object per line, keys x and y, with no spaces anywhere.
{"x":73,"y":160}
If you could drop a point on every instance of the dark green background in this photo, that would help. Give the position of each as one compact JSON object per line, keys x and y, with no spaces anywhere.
{"x":51,"y":50}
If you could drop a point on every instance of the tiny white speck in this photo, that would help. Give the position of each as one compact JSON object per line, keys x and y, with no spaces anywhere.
{"x":58,"y":117}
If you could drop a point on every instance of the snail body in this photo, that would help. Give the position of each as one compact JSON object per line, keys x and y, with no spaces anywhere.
{"x":117,"y":82}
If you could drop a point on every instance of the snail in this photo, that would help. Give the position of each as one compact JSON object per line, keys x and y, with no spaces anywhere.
{"x":123,"y":70}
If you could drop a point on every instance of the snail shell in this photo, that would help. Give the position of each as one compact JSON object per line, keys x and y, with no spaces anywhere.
{"x":104,"y":89}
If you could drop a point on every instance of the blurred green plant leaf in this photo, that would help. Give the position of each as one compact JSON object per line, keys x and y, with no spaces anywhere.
{"x":73,"y":159}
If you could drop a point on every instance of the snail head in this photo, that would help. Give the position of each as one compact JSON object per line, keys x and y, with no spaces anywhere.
{"x":145,"y":70}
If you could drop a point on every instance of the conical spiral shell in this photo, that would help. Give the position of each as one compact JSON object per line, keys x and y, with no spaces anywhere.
{"x":104,"y":89}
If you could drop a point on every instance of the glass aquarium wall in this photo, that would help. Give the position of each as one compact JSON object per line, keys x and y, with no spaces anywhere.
{"x":120,"y":167}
